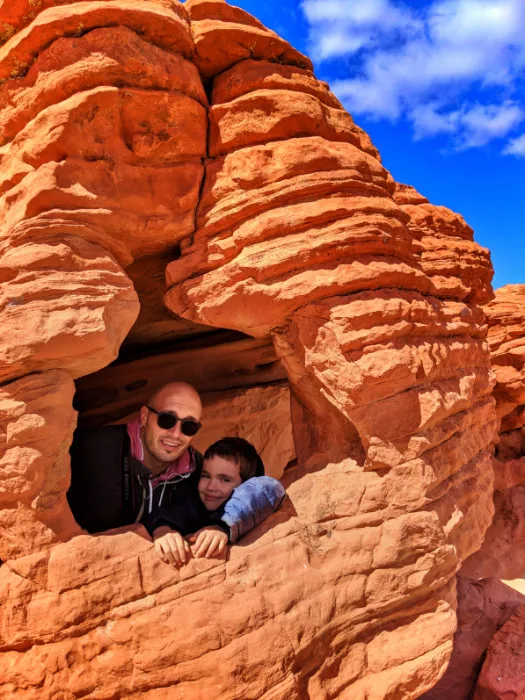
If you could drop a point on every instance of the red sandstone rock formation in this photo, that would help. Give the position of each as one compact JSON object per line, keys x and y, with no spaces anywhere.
{"x":483,"y":608}
{"x":281,"y":224}
{"x":503,"y":551}
{"x":503,"y":673}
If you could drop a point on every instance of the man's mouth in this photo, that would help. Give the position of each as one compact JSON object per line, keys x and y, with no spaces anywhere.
{"x":169,"y":445}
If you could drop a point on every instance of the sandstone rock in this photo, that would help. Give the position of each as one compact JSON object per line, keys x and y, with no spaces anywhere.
{"x":250,"y":75}
{"x":282,"y":226}
{"x":458,"y":266}
{"x":260,"y":415}
{"x":288,"y":114}
{"x":94,"y":587}
{"x":506,"y":317}
{"x":229,"y":364}
{"x":67,"y":305}
{"x":129,"y":181}
{"x":36,"y":428}
{"x":162,"y":23}
{"x":107,"y":56}
{"x":483,"y":608}
{"x":503,"y":550}
{"x":225,"y":35}
{"x":503,"y":673}
{"x":309,"y":224}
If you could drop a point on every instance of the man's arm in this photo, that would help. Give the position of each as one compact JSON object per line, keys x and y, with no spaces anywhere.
{"x":251,"y":503}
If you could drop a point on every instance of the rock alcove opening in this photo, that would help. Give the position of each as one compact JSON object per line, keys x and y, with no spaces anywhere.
{"x":243,"y":384}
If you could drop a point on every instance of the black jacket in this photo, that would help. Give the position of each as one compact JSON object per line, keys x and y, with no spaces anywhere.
{"x":109,"y":488}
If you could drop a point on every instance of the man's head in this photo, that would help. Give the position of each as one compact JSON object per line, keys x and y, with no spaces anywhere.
{"x":164,"y":444}
{"x":227,"y":463}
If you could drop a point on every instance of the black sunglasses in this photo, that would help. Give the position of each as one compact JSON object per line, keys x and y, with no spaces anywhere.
{"x":166,"y":421}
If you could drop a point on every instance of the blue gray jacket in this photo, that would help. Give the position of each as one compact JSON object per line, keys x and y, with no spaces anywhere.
{"x":250,"y":503}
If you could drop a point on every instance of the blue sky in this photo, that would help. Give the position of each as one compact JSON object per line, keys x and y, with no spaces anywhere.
{"x":438,"y":85}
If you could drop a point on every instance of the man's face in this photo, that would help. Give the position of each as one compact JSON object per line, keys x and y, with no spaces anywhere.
{"x":162,"y":446}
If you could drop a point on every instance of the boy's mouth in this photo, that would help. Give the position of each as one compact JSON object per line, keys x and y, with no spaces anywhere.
{"x":207,"y":497}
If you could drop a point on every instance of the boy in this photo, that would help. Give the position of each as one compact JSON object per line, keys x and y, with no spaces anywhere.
{"x":229,"y":465}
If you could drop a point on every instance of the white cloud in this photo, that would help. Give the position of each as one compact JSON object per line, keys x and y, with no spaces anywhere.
{"x":422,"y":65}
{"x":428,"y":120}
{"x":516,"y":147}
{"x":343,"y":27}
{"x":483,"y":123}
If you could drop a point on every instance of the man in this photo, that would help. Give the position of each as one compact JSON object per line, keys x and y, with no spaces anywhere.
{"x":125,"y":474}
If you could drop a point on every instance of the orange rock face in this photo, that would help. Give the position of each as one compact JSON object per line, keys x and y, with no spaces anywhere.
{"x":503,"y":673}
{"x":483,"y":608}
{"x":277,"y":221}
{"x":503,"y":550}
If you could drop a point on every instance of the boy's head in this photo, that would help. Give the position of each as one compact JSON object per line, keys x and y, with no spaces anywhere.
{"x":227,"y":463}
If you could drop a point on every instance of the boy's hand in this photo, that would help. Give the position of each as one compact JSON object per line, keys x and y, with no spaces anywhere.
{"x":208,"y":542}
{"x":171,"y":546}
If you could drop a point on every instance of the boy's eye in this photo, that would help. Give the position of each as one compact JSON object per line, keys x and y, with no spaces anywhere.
{"x":205,"y":476}
{"x":226,"y":479}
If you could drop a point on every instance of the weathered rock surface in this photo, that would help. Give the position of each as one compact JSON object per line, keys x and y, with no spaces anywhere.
{"x":281,"y":224}
{"x":483,"y":608}
{"x":503,"y":551}
{"x":502,"y":554}
{"x":459,"y":267}
{"x":36,"y":428}
{"x":503,"y":673}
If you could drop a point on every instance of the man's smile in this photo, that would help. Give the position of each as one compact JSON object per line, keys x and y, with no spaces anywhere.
{"x":170,"y":444}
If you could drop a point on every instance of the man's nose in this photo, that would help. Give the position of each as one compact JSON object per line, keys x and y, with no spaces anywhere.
{"x":175,"y":431}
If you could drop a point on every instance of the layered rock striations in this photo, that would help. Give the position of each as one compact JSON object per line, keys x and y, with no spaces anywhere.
{"x":502,"y":554}
{"x":281,"y":224}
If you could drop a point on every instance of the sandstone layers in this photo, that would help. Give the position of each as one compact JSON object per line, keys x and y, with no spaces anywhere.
{"x":191,"y":132}
{"x":503,"y":551}
{"x":485,"y":603}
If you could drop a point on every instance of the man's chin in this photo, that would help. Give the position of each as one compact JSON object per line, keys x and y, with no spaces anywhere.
{"x":168,"y":457}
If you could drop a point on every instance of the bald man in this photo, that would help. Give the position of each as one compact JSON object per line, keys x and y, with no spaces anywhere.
{"x":164,"y":445}
{"x":133,"y":473}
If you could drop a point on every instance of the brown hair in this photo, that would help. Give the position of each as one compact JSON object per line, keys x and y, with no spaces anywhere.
{"x":239,"y":451}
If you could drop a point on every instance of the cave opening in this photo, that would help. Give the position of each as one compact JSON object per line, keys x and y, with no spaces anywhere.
{"x":242,"y":383}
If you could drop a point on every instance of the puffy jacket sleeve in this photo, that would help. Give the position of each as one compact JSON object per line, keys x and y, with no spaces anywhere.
{"x":250,"y":503}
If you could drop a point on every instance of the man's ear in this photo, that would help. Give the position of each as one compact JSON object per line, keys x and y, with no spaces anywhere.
{"x":143,"y":416}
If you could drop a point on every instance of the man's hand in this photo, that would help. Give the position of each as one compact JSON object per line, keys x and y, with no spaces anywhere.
{"x":208,"y":542}
{"x":171,"y":546}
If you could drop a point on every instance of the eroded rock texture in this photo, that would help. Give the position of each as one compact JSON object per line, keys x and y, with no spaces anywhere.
{"x":503,"y":673}
{"x":485,"y":602}
{"x":503,"y":551}
{"x":276,"y":220}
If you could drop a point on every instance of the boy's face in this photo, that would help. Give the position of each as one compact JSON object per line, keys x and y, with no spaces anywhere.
{"x":219,"y":477}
